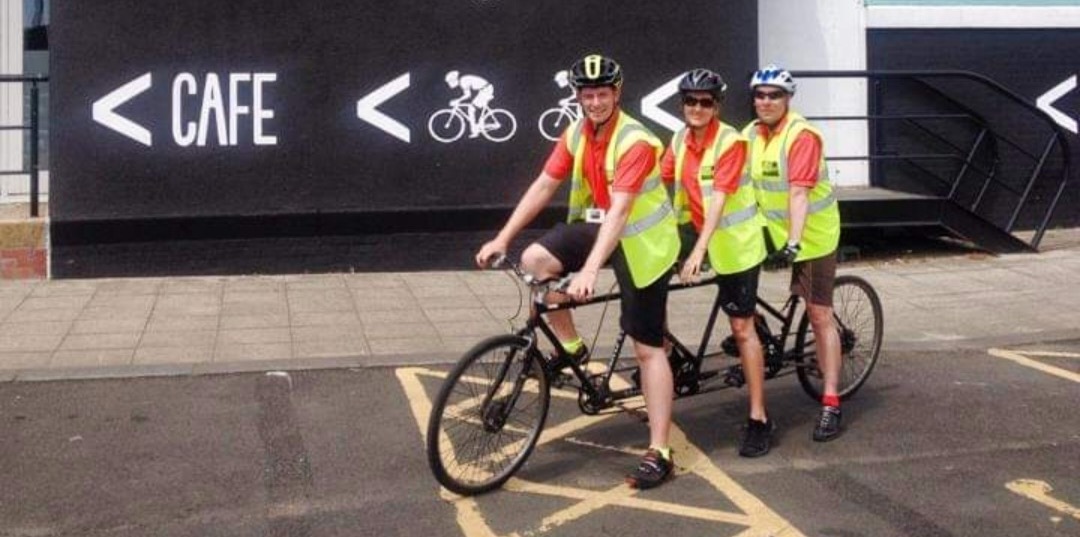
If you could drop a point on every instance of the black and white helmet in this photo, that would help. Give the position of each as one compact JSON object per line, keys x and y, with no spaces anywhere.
{"x":595,"y":71}
{"x":771,"y":75}
{"x":703,"y":80}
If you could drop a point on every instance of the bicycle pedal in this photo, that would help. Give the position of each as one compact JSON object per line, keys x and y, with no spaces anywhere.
{"x":562,"y":380}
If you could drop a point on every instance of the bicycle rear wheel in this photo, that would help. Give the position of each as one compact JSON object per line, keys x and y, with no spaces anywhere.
{"x":488,"y":415}
{"x":858,"y":317}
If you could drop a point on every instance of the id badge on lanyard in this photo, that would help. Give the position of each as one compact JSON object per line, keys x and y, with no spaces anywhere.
{"x":594,"y":216}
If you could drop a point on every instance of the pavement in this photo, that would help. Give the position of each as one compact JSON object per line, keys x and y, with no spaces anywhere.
{"x":126,"y":327}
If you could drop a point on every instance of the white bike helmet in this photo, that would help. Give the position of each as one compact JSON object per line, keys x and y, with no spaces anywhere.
{"x":771,"y":75}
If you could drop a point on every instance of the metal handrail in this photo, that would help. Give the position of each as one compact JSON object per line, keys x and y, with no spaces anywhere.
{"x":35,"y":131}
{"x":1058,"y":138}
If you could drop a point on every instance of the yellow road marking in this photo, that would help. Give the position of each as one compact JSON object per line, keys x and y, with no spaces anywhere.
{"x":1034,"y":364}
{"x":1040,"y":492}
{"x":626,"y":498}
{"x":1053,"y":354}
{"x":755,"y":515}
{"x":469,"y":518}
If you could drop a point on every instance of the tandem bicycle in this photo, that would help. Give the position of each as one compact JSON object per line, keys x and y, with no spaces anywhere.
{"x":491,"y":409}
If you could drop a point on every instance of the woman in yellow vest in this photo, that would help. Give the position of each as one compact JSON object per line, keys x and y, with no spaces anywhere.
{"x":718,"y":216}
{"x":618,"y":209}
{"x":791,"y":180}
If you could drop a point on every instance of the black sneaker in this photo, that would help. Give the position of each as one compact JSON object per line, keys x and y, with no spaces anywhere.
{"x":757,"y":438}
{"x":651,"y":472}
{"x":564,"y":376}
{"x":581,"y":358}
{"x":828,"y":426}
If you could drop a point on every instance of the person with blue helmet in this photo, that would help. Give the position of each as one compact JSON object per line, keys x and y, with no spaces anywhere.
{"x":795,"y":195}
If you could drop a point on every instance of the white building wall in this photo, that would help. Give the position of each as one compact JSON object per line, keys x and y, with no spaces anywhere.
{"x":11,"y":95}
{"x":823,"y":35}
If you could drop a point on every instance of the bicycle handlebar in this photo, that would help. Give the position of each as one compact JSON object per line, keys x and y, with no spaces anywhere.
{"x":558,"y":285}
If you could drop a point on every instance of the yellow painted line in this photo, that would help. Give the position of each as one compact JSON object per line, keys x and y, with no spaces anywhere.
{"x":1053,"y":354}
{"x":469,"y":518}
{"x":473,"y":380}
{"x":468,"y":512}
{"x":592,"y":502}
{"x":1034,"y":364}
{"x":764,"y":521}
{"x":628,"y":499}
{"x":755,"y":515}
{"x":563,"y":429}
{"x":1040,"y":492}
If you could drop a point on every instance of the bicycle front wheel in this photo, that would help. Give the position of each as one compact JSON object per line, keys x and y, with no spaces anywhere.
{"x":488,"y":415}
{"x":859,"y":321}
{"x":446,"y":126}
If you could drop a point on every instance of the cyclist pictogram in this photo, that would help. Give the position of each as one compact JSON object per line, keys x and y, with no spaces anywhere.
{"x":471,"y":109}
{"x":555,"y":120}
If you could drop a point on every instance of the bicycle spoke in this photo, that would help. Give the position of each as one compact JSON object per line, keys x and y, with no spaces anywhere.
{"x":489,"y":416}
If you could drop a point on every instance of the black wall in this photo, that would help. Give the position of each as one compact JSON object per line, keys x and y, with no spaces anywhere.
{"x":1028,"y":62}
{"x":330,"y":172}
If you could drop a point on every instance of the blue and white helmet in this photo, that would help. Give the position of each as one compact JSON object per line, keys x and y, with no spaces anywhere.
{"x":771,"y":75}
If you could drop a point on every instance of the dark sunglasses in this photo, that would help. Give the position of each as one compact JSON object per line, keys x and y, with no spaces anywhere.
{"x":705,"y":103}
{"x":769,"y":95}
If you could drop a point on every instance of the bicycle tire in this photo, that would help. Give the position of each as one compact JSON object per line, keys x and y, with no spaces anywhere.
{"x":501,"y":119}
{"x":858,"y":314}
{"x":446,"y":125}
{"x":467,"y":454}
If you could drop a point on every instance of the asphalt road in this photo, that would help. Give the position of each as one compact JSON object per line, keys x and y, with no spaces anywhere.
{"x":950,"y":443}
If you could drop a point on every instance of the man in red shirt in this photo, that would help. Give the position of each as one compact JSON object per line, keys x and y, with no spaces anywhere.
{"x":706,"y":161}
{"x":618,"y":209}
{"x":796,"y":197}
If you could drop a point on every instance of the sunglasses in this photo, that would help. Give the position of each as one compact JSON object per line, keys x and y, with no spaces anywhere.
{"x":704,"y":103}
{"x":769,"y":95}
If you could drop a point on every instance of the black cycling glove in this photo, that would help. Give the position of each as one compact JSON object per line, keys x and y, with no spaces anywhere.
{"x":783,"y":257}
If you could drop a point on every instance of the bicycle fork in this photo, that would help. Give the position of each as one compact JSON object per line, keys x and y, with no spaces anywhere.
{"x":495,"y":411}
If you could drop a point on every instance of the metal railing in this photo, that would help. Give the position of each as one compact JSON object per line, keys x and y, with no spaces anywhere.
{"x":965,"y":157}
{"x":34,"y":126}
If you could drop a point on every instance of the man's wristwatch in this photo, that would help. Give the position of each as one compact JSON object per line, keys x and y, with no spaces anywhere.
{"x":794,"y":246}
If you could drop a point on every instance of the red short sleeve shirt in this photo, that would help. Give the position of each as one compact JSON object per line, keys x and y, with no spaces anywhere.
{"x":727,"y":170}
{"x":630,"y":172}
{"x":805,"y":157}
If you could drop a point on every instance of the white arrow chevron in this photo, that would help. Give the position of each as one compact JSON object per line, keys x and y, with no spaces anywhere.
{"x":365,"y":108}
{"x":650,"y":105}
{"x":1046,"y":101}
{"x":104,"y":110}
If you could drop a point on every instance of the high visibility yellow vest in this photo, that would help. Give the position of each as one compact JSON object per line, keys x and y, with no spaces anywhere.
{"x":769,"y":171}
{"x":738,"y":243}
{"x":650,"y":240}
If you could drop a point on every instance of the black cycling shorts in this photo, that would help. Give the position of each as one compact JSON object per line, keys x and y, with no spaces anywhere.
{"x":642,"y":310}
{"x":570,"y":243}
{"x":738,"y":291}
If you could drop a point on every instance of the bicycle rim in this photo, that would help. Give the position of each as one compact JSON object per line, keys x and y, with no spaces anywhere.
{"x":487,"y":416}
{"x":858,"y":315}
